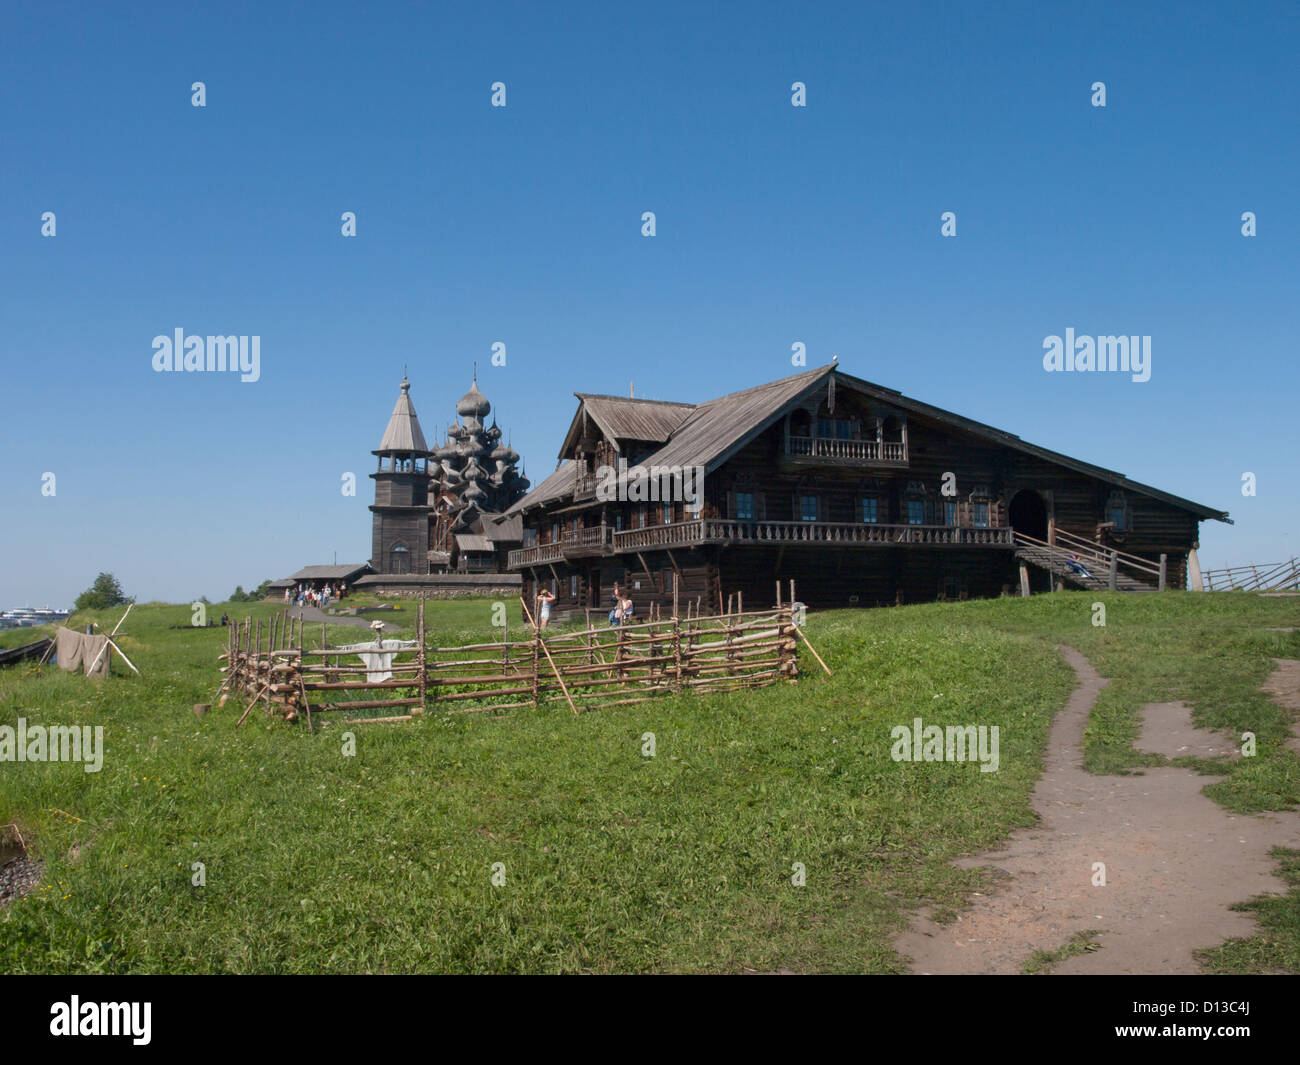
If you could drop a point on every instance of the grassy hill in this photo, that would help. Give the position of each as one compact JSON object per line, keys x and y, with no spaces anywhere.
{"x":383,"y":861}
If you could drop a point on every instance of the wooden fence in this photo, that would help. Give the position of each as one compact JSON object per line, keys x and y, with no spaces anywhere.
{"x":1266,"y":577}
{"x":596,"y":666}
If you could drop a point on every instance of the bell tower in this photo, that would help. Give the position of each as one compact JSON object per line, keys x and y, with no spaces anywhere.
{"x":399,"y":541}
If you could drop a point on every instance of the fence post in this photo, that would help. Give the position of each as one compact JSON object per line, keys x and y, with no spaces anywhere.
{"x":677,"y":638}
{"x":1113,"y":579}
{"x":416,"y":711}
{"x":1164,"y":570}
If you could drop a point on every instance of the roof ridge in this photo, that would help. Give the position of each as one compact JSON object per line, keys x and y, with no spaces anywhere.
{"x":634,"y":399}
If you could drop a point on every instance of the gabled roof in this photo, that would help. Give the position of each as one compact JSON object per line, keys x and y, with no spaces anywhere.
{"x":557,"y":486}
{"x":626,"y":418}
{"x":324,"y":573}
{"x":474,"y":542}
{"x":717,"y":429}
{"x":712,"y":432}
{"x":503,"y":528}
{"x":1005,"y":439}
{"x":403,"y":432}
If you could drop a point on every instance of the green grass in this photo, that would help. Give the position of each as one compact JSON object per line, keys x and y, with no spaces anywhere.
{"x":1276,"y":948}
{"x":382,"y":862}
{"x":1042,"y":962}
{"x":21,"y":637}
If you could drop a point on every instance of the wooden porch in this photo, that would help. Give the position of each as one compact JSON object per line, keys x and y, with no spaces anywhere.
{"x":603,"y":540}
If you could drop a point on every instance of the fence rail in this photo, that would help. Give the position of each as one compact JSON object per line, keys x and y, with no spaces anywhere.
{"x":1265,"y":577}
{"x":594,"y":666}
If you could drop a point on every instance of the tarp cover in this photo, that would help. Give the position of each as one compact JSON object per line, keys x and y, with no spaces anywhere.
{"x":77,"y":652}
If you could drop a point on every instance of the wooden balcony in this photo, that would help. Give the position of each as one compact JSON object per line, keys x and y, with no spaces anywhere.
{"x":834,"y":451}
{"x":729,"y":531}
{"x":537,"y":555}
{"x":585,"y":543}
{"x":602,"y":540}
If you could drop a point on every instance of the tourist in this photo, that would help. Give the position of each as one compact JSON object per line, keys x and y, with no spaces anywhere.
{"x":1075,"y":566}
{"x":544,"y":600}
{"x":287,"y":598}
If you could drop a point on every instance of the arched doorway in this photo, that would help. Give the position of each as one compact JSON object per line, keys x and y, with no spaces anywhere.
{"x":1028,"y":514}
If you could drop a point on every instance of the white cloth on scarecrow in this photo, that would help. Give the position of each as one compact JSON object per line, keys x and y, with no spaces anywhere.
{"x":377,"y":657}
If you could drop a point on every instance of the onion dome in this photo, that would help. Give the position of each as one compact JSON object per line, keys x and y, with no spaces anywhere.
{"x":473,"y":404}
{"x":473,"y":494}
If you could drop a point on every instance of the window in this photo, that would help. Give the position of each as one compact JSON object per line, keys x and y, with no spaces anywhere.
{"x":807,"y":508}
{"x":871,"y":510}
{"x":399,"y":559}
{"x":618,"y":522}
{"x":916,"y":512}
{"x":573,"y":587}
{"x":668,"y":514}
{"x":744,"y":506}
{"x":950,"y":512}
{"x":530,"y":538}
{"x":1117,"y":512}
{"x":555,"y":532}
{"x":836,"y":428}
{"x":980,"y":507}
{"x":641,"y":517}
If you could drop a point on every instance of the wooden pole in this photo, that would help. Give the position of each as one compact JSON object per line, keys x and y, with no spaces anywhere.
{"x":1024,"y":581}
{"x":554,"y":668}
{"x":799,"y":632}
{"x":110,"y":643}
{"x":424,"y":672}
{"x":1164,"y":570}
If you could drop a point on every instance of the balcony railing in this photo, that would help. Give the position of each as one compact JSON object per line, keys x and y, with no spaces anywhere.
{"x":602,"y":539}
{"x":720,"y":530}
{"x":876,"y":452}
{"x":584,"y":542}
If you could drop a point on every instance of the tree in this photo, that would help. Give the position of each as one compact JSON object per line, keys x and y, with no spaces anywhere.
{"x":255,"y":596}
{"x":104,"y":593}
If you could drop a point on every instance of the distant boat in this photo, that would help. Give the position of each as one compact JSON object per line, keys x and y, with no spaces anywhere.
{"x":26,"y":616}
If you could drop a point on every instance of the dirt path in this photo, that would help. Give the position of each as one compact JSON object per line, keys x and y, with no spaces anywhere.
{"x":1283,"y":686}
{"x":1175,"y":860}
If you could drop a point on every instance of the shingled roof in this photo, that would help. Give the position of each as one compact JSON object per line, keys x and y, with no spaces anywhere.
{"x":403,"y":432}
{"x":714,"y":431}
{"x":627,"y":418}
{"x":558,"y":485}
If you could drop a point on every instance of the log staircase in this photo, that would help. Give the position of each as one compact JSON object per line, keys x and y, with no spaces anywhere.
{"x":1102,"y":563}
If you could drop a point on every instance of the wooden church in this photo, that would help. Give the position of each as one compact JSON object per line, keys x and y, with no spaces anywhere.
{"x":863,"y":496}
{"x":439,"y":510}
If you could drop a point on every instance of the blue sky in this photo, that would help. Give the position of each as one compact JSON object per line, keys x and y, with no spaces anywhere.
{"x":522,"y":225}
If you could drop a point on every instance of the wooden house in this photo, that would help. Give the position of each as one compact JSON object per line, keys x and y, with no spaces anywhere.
{"x":863,"y":496}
